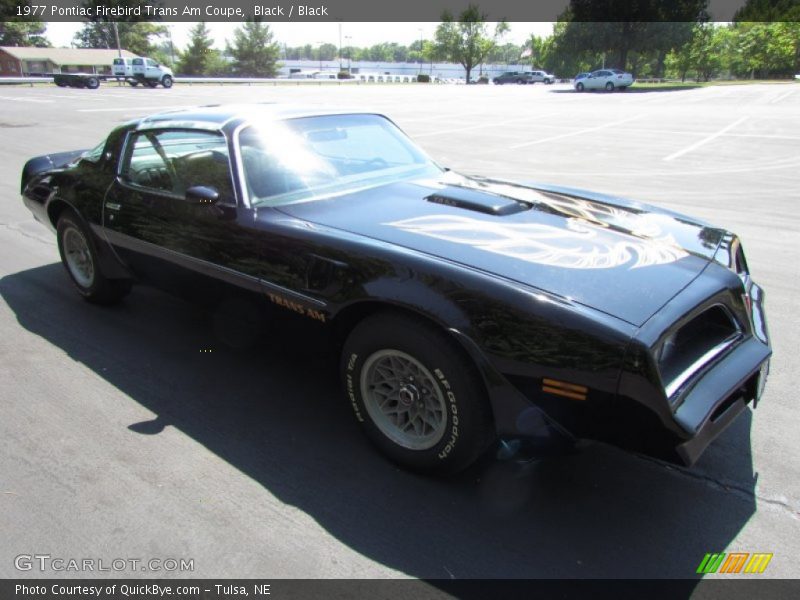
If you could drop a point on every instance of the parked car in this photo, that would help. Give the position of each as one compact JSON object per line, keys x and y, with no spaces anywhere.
{"x":607,"y":79}
{"x":542,"y":77}
{"x":467,"y":308}
{"x":512,"y":77}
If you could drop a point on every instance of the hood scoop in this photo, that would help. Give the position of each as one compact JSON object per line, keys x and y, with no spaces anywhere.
{"x":478,"y":201}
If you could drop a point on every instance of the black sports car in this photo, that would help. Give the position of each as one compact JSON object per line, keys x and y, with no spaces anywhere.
{"x":468,"y":309}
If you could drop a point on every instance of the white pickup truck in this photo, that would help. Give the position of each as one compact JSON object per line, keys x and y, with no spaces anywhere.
{"x":133,"y":70}
{"x":150,"y":72}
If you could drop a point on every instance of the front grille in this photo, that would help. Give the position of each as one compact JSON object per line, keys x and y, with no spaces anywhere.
{"x":687,"y":350}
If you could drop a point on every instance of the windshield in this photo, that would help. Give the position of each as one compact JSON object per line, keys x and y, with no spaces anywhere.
{"x":302,"y":159}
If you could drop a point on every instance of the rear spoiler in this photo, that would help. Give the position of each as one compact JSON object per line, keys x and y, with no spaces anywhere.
{"x":40,"y":164}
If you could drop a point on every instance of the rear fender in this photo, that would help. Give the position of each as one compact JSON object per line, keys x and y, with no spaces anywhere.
{"x":47,"y":162}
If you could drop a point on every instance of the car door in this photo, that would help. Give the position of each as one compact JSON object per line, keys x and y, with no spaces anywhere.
{"x":168,"y":237}
{"x":152,"y":69}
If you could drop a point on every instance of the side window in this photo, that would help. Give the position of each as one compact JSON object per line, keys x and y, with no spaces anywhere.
{"x":172,"y":161}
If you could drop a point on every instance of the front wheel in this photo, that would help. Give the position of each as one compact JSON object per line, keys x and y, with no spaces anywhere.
{"x":133,"y":83}
{"x":93,"y":83}
{"x":418,"y":399}
{"x":79,"y":258}
{"x":579,"y":87}
{"x":166,"y":81}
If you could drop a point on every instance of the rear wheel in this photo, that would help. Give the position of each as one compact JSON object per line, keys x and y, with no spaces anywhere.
{"x":609,"y":87}
{"x":93,"y":83}
{"x":418,"y":399}
{"x":79,"y":258}
{"x":133,"y":83}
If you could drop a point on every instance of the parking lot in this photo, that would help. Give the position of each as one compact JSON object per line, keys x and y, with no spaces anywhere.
{"x":121,"y":440}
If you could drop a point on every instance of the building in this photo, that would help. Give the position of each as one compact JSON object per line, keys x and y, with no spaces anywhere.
{"x":16,"y":61}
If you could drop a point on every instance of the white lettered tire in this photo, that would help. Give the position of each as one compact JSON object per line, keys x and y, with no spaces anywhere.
{"x":415,"y":393}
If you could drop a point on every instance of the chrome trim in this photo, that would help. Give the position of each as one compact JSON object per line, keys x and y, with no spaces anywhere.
{"x":231,"y":275}
{"x":684,"y":376}
{"x":126,"y":159}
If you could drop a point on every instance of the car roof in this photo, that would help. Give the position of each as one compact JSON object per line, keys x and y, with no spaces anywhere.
{"x":218,"y":116}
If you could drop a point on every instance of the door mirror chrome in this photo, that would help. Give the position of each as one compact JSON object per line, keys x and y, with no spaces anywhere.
{"x":201,"y":194}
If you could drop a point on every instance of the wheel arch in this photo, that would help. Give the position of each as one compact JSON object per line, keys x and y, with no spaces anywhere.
{"x":109,"y":265}
{"x":348,"y":318}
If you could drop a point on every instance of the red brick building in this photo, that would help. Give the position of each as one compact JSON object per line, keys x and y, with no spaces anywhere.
{"x":16,"y":61}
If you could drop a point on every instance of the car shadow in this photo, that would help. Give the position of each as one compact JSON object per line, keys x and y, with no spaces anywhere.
{"x":634,"y":89}
{"x":278,"y":416}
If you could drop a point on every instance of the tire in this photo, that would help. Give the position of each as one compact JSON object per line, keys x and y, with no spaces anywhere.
{"x":133,"y":83}
{"x":79,"y":257}
{"x":579,"y":86}
{"x":166,"y":81}
{"x":622,"y":88}
{"x":152,"y":84}
{"x":93,"y":83}
{"x":609,"y":87}
{"x":409,"y":365}
{"x":520,"y":82}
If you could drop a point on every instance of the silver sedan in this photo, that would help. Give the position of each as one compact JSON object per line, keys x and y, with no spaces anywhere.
{"x":607,"y":79}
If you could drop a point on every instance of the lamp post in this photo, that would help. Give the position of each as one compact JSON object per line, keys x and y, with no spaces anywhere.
{"x":340,"y":47}
{"x":319,"y":52}
{"x":348,"y":41}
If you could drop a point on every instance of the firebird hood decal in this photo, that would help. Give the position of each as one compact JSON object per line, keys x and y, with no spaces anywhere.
{"x":627,"y":261}
{"x":578,"y":246}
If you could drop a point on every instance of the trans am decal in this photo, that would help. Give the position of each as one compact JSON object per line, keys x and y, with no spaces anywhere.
{"x":581,"y":245}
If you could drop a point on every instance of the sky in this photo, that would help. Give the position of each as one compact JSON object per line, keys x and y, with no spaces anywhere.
{"x":300,"y":34}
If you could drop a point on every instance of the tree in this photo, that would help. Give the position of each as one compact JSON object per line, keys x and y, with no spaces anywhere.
{"x":25,"y":33}
{"x":253,"y":51}
{"x":194,"y":61}
{"x":614,"y":29}
{"x":135,"y":33}
{"x":466,"y":41}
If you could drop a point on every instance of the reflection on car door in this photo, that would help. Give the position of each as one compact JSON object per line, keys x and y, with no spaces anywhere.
{"x":171,"y":241}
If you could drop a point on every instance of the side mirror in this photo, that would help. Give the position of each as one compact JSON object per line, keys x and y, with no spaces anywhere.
{"x":201,"y":194}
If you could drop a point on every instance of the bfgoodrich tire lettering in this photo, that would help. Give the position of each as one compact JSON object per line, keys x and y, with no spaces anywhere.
{"x":418,"y":399}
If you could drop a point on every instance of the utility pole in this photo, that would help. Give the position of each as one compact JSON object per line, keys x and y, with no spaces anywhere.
{"x":340,"y":47}
{"x":116,"y":35}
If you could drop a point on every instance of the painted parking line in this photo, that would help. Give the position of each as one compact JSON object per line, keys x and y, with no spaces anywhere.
{"x":135,"y":108}
{"x":705,"y":140}
{"x":484,"y":125}
{"x":574,"y":133}
{"x":25,"y":99}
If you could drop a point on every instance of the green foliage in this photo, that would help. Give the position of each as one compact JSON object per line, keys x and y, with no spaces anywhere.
{"x":253,"y":51}
{"x":466,"y":40}
{"x":23,"y":33}
{"x":769,"y":11}
{"x":423,"y":78}
{"x":195,"y":59}
{"x":136,"y":37}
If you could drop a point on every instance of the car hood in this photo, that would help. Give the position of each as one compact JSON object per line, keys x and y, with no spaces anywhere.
{"x":622,"y":258}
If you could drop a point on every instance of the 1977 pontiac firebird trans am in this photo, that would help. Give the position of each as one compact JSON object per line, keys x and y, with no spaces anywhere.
{"x":468,"y":309}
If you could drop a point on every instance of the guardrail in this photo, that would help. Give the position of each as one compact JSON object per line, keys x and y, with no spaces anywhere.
{"x":30,"y":80}
{"x":212,"y":80}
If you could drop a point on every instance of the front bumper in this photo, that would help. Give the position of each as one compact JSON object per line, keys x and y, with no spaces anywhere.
{"x":721,"y":395}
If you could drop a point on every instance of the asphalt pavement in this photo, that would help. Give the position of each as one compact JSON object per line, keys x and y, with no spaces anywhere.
{"x":119,"y":438}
